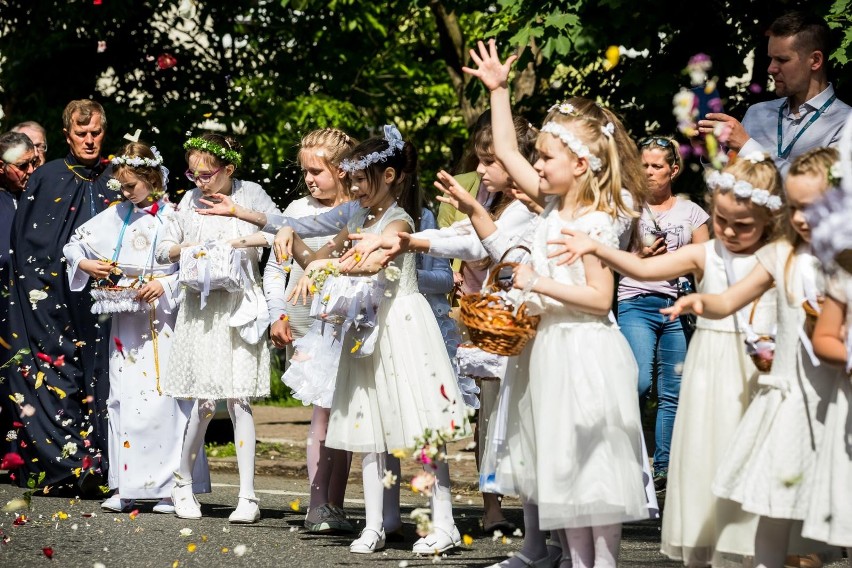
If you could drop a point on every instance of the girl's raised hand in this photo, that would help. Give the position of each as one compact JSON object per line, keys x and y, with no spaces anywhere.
{"x":454,"y":193}
{"x":690,"y":304}
{"x":217,"y":204}
{"x":301,"y":290}
{"x":283,"y":244}
{"x":572,"y":246}
{"x":489,"y":69}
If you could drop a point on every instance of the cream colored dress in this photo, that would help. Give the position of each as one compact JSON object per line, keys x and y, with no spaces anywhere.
{"x":384,"y":401}
{"x":719,"y":380}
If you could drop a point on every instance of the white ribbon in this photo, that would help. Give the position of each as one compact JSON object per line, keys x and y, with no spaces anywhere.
{"x":807,"y":270}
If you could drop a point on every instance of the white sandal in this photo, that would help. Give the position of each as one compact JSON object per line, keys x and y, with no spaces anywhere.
{"x":368,"y":542}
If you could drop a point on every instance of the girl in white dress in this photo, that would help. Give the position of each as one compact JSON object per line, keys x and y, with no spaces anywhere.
{"x":219,"y":350}
{"x":145,"y":427}
{"x":829,"y":517}
{"x":718,"y":374}
{"x":769,"y":467}
{"x":328,"y":469}
{"x":573,"y":432}
{"x":385,"y":401}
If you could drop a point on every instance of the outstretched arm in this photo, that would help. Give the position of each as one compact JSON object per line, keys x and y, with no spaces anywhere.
{"x":494,"y":75}
{"x":718,"y":306}
{"x":685,"y":260}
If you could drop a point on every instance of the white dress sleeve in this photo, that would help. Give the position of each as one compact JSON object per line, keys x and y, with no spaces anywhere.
{"x":75,"y":252}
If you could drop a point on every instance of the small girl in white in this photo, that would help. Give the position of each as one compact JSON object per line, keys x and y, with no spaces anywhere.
{"x":770,"y":465}
{"x":406,"y":386}
{"x":220,"y":350}
{"x":145,"y":427}
{"x":328,"y":470}
{"x":718,"y":375}
{"x":574,"y":435}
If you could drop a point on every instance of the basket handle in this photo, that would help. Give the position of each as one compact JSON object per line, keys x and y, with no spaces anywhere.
{"x":510,"y":249}
{"x":495,"y":270}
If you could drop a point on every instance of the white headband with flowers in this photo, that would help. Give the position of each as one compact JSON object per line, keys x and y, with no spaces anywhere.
{"x":395,"y":143}
{"x":725,"y":182}
{"x":139,"y":161}
{"x":574,"y":144}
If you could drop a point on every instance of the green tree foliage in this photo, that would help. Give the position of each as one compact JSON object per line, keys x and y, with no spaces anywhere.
{"x":271,"y":70}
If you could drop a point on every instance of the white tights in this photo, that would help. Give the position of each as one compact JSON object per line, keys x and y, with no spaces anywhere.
{"x":328,"y":469}
{"x":244,"y":439}
{"x":592,"y":547}
{"x":382,"y":506}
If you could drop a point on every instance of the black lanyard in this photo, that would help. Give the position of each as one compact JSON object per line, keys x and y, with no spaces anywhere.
{"x":784,"y":153}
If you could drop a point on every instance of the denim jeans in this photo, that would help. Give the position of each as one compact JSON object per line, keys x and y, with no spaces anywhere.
{"x":656,"y":340}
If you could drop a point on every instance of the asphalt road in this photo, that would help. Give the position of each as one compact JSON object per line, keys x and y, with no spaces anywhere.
{"x":79,"y":534}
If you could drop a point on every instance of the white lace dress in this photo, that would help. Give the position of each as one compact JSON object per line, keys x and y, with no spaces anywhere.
{"x":210,"y":359}
{"x":829,"y":516}
{"x":770,"y":466}
{"x":385,"y":401}
{"x":573,"y":439}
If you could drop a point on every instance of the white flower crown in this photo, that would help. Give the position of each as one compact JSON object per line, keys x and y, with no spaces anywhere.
{"x":138,"y":161}
{"x":725,"y":182}
{"x":574,"y":144}
{"x":395,"y":143}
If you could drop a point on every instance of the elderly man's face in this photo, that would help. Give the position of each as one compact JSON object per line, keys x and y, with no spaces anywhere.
{"x":38,"y":141}
{"x":85,"y":140}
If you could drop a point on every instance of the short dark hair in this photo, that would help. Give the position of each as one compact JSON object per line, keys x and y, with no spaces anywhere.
{"x":812,"y":32}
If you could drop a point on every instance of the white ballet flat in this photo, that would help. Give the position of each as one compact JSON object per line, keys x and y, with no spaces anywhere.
{"x":183,"y":499}
{"x":165,"y":505}
{"x":116,"y":504}
{"x":369,"y":542}
{"x":246,"y":513}
{"x":437,"y":541}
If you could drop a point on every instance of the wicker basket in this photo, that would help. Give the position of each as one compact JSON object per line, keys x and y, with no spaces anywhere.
{"x":494,"y":325}
{"x":811,"y":315}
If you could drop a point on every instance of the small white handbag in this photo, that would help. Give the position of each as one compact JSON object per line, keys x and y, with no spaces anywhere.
{"x":354,"y":299}
{"x":213,"y":266}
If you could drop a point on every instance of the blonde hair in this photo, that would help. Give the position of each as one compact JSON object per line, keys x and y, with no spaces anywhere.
{"x":632,"y":174}
{"x":334,"y":144}
{"x":601,"y":190}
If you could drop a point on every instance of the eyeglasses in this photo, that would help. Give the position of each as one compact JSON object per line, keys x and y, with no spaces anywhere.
{"x":661,"y":142}
{"x":41,"y":147}
{"x":25,"y":166}
{"x":201,"y":178}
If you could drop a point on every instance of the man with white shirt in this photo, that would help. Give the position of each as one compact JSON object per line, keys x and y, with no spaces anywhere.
{"x":809,"y":114}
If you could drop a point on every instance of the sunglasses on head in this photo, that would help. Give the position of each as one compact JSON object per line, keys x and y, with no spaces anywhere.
{"x":661,"y":142}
